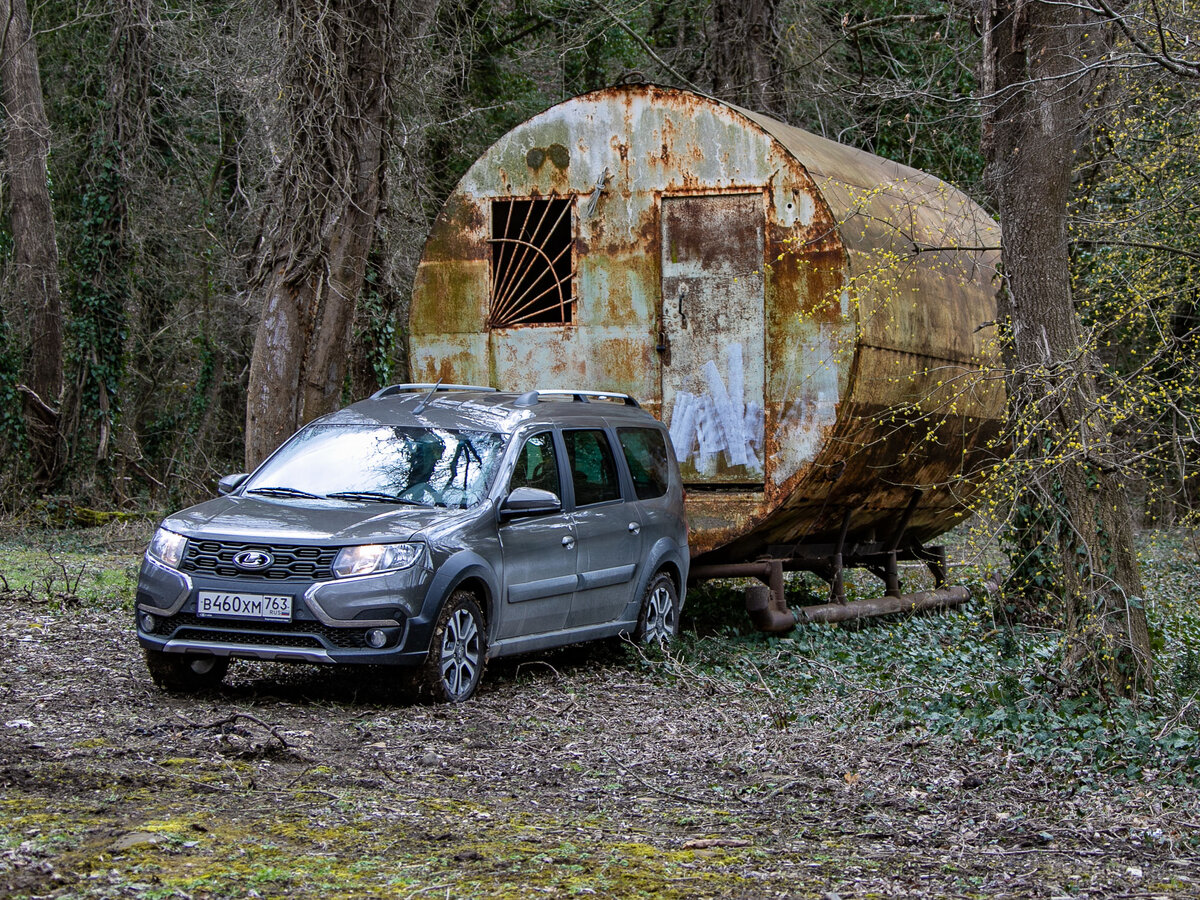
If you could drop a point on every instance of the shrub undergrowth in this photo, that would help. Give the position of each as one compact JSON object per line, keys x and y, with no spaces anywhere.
{"x":966,"y":675}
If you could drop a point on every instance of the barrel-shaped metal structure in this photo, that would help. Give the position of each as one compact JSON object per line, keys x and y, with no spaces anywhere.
{"x":815,"y":324}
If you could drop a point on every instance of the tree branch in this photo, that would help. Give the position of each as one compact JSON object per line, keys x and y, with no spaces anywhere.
{"x":1175,"y":65}
{"x":1137,"y":245}
{"x":620,"y":23}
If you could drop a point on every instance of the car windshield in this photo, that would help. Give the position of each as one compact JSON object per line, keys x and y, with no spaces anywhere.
{"x":384,"y":464}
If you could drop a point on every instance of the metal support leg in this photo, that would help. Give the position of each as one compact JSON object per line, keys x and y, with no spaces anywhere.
{"x":837,"y":592}
{"x":937,"y":565}
{"x":775,"y":583}
{"x":891,"y":576}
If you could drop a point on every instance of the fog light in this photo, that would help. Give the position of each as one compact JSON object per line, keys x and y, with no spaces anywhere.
{"x":149,"y":623}
{"x":376,"y":638}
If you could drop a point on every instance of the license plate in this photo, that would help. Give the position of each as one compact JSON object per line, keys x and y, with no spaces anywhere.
{"x":223,"y":605}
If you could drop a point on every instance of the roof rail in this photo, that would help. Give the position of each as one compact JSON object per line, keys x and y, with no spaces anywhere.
{"x":393,"y":389}
{"x":529,"y":398}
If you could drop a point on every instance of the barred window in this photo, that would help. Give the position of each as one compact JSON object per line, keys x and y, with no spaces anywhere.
{"x":531,"y":262}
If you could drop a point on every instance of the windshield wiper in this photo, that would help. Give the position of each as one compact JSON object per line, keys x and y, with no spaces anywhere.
{"x":375,"y":496}
{"x":282,"y":492}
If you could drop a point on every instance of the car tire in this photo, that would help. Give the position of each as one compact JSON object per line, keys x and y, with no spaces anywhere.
{"x":658,"y":619}
{"x":182,"y":674}
{"x":458,"y":651}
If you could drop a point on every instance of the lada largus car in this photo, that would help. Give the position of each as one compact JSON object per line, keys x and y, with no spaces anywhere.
{"x":429,"y":526}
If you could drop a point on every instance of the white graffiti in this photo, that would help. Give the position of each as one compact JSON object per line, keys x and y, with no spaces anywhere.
{"x":719,"y":421}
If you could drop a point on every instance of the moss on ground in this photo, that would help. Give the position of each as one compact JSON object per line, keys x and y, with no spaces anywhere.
{"x":171,"y":842}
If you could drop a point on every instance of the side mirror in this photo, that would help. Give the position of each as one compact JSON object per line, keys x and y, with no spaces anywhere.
{"x":527,"y":501}
{"x":230,"y":483}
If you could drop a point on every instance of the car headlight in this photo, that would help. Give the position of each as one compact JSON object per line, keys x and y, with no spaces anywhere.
{"x":167,"y":547}
{"x":370,"y":558}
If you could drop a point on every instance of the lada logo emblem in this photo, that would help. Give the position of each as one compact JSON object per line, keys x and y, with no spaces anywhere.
{"x":253,"y":560}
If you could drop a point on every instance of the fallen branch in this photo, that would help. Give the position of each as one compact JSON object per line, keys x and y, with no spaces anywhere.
{"x":233,"y":717}
{"x":682,"y":797}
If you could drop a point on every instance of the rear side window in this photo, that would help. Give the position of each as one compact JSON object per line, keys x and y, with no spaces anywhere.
{"x":593,"y":467}
{"x":646,"y":453}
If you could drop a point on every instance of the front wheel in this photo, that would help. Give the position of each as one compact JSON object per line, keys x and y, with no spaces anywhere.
{"x":182,"y":674}
{"x":658,"y":621}
{"x":458,"y":652}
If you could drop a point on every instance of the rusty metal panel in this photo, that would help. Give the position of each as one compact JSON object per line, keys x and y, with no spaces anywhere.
{"x":918,"y":244}
{"x":457,"y":358}
{"x":713,"y":324}
{"x":460,"y":288}
{"x":567,"y":357}
{"x":552,"y":353}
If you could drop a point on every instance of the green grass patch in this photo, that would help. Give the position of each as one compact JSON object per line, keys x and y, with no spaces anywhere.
{"x":96,"y":567}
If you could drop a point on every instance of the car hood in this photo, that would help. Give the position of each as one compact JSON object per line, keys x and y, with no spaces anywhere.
{"x":267,"y":520}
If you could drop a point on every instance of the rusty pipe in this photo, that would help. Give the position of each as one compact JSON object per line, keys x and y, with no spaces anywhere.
{"x":760,"y":570}
{"x":942,"y":598}
{"x":775,"y":618}
{"x":770,"y":613}
{"x":766,"y":614}
{"x":765,"y":605}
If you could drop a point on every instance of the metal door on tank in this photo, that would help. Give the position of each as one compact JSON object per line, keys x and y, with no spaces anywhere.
{"x":713,"y":323}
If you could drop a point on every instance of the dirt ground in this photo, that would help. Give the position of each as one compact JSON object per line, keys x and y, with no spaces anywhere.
{"x":584,"y":772}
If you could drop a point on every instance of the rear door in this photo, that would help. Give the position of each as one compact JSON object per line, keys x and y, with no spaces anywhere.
{"x":607,"y":526}
{"x":645,"y":450}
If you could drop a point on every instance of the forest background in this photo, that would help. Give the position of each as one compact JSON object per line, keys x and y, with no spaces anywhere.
{"x":172,"y":170}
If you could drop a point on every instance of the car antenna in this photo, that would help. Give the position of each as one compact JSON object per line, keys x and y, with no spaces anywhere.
{"x":420,"y":407}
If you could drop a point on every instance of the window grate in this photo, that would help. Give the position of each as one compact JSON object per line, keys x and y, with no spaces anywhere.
{"x":531,"y":262}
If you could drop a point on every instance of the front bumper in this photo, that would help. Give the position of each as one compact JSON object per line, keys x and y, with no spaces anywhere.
{"x":330,"y":619}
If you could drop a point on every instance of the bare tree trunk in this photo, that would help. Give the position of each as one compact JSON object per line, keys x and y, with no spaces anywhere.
{"x":328,"y":191}
{"x":743,"y":40}
{"x":1038,"y":77}
{"x":35,"y":251}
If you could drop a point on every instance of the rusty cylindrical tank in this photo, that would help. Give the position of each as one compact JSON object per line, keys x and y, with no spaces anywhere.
{"x":814,"y":323}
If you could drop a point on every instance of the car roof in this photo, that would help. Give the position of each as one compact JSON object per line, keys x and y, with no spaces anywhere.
{"x":467,"y":406}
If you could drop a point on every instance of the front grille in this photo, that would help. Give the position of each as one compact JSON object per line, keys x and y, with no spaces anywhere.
{"x":289,"y":563}
{"x":187,"y":626}
{"x":257,"y":640}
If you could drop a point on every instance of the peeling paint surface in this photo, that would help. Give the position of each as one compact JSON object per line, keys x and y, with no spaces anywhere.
{"x":804,"y":316}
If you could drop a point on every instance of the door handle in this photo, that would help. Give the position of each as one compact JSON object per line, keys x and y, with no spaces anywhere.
{"x":568,"y":541}
{"x":634,"y":527}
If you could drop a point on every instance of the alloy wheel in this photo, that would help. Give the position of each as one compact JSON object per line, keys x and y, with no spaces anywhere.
{"x":461,"y":654}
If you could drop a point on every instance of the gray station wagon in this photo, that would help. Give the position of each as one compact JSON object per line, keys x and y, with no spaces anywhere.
{"x":429,"y":526}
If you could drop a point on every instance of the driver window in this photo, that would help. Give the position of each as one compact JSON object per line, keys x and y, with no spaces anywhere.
{"x":537,"y":466}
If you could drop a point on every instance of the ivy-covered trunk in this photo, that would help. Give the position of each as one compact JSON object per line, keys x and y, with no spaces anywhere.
{"x":1039,"y":71}
{"x":35,"y":250}
{"x":326,"y":194}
